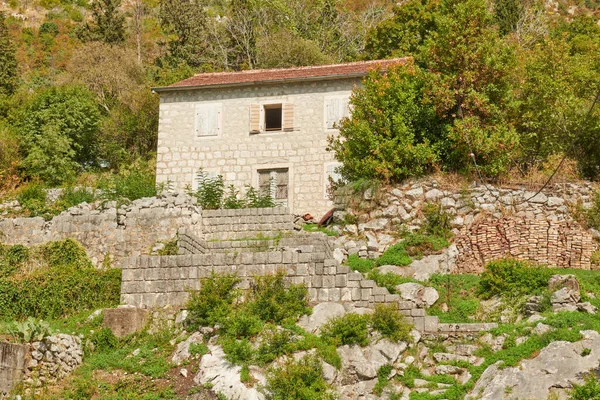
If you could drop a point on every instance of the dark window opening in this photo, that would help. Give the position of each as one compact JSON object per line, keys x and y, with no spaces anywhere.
{"x":273,"y":117}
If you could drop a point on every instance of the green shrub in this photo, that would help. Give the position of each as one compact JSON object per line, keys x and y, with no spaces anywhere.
{"x":258,"y":198}
{"x":302,"y":380}
{"x":383,"y":374}
{"x":132,"y":183}
{"x":590,"y":390}
{"x":513,"y":278}
{"x":213,"y":302}
{"x":395,"y":255}
{"x":388,"y":280}
{"x":33,"y":199}
{"x":271,"y":301}
{"x":388,"y":321}
{"x":103,"y":340}
{"x":170,"y":248}
{"x":275,"y":343}
{"x":210,"y":191}
{"x":242,"y":324}
{"x":350,"y":329}
{"x":418,"y":245}
{"x":12,"y":259}
{"x":64,"y":282}
{"x":198,"y":349}
{"x":238,"y":352}
{"x":30,"y":330}
{"x":72,"y":196}
{"x":437,"y":221}
{"x":360,"y":264}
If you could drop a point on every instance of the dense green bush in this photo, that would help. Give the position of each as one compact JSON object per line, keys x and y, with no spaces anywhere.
{"x":388,"y":280}
{"x":350,"y":329}
{"x":360,"y":264}
{"x":302,"y":380}
{"x":394,"y":255}
{"x":388,"y":321}
{"x":64,"y":282}
{"x":12,"y":259}
{"x":590,"y":390}
{"x":241,"y":323}
{"x":237,"y":351}
{"x":104,"y":339}
{"x":132,"y":183}
{"x":510,"y":277}
{"x":437,"y":221}
{"x":213,"y":302}
{"x":275,"y":343}
{"x":272,"y":301}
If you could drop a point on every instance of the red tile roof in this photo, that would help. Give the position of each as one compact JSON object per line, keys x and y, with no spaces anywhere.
{"x":262,"y":76}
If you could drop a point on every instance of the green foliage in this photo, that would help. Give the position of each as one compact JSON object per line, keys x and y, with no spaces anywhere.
{"x":272,"y":301}
{"x":302,"y":380}
{"x":33,"y":199}
{"x":109,"y":23}
{"x":30,"y":330}
{"x":242,"y":323}
{"x":170,"y":248}
{"x":64,"y":282}
{"x":238,"y":351}
{"x":388,"y":280}
{"x":317,"y":228}
{"x":507,"y":14}
{"x":12,"y":259}
{"x":382,"y":378}
{"x":275,"y":343}
{"x":418,"y":244}
{"x":283,"y":49}
{"x":459,"y":292}
{"x":254,"y":198}
{"x":210,"y":191}
{"x":213,"y":302}
{"x":394,"y":255}
{"x":350,"y":329}
{"x":590,"y":390}
{"x":388,"y":137}
{"x":8,"y":61}
{"x":388,"y":321}
{"x":438,"y":222}
{"x":199,"y":349}
{"x":104,"y":340}
{"x":513,"y":278}
{"x":131,"y":183}
{"x":58,"y":129}
{"x":359,"y":264}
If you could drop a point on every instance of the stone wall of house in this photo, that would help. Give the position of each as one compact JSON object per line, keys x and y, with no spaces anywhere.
{"x":108,"y":230}
{"x":246,"y":223}
{"x":237,"y":155}
{"x":558,"y":243}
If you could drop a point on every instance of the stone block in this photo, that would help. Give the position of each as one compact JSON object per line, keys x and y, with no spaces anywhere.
{"x":355,"y":276}
{"x":367,"y":283}
{"x":417,"y":312}
{"x":329,"y":281}
{"x":12,"y":365}
{"x":419,"y":323}
{"x":431,"y":324}
{"x":365,"y":294}
{"x":406,"y":305}
{"x":341,"y":280}
{"x":125,"y":321}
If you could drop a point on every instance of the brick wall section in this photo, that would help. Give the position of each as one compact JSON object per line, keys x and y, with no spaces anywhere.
{"x":563,"y":244}
{"x":246,"y":223}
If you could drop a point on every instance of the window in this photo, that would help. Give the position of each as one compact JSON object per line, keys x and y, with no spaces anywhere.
{"x":208,"y":120}
{"x":332,"y":176}
{"x":275,"y":181}
{"x":273,"y":117}
{"x":336,"y":108}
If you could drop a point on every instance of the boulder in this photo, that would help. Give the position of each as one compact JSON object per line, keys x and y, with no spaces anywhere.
{"x":182,"y":352}
{"x":554,"y":371}
{"x":565,"y":296}
{"x":378,"y":224}
{"x":415,"y":194}
{"x":434,"y":195}
{"x":587,"y":307}
{"x":557,"y":282}
{"x":321,"y":314}
{"x":420,"y":295}
{"x":224,"y":377}
{"x":362,"y":363}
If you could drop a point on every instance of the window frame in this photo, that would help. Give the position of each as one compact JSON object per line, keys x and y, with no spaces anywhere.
{"x":271,"y":106}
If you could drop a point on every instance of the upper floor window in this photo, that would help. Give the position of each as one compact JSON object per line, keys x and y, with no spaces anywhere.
{"x":336,"y":108}
{"x":208,"y":120}
{"x":271,"y":117}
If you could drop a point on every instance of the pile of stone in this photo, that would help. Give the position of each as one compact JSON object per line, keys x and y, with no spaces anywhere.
{"x":52,"y":358}
{"x":566,"y":295}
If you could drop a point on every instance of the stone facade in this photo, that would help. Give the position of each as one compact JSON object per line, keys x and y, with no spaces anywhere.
{"x":237,"y":154}
{"x":562,"y":244}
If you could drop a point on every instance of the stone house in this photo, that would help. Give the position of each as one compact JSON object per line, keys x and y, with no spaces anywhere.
{"x":265,"y":128}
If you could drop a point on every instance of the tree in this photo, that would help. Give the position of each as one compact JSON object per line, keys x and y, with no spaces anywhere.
{"x":8,"y":61}
{"x":283,"y":49}
{"x":389,"y":136}
{"x":58,"y":130}
{"x":507,"y":14}
{"x":186,"y":21}
{"x":469,"y":85}
{"x":110,"y":22}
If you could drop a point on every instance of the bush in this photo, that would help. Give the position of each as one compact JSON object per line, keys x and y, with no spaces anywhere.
{"x":64,"y":283}
{"x":271,"y":301}
{"x":302,"y":380}
{"x":132,"y":183}
{"x":388,"y":280}
{"x":388,"y":321}
{"x":238,"y":351}
{"x":213,"y":302}
{"x":12,"y":259}
{"x":104,"y":339}
{"x":590,"y":390}
{"x":72,"y":196}
{"x":275,"y":343}
{"x":350,"y":329}
{"x":210,"y":191}
{"x":437,"y":221}
{"x":242,"y":324}
{"x":513,"y":278}
{"x":33,"y":200}
{"x":419,"y":245}
{"x":211,"y":195}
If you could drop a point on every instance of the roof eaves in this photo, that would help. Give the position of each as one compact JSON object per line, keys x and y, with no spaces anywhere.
{"x":162,"y":89}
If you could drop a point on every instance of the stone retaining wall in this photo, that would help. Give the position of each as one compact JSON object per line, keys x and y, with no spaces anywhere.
{"x":105,"y":230}
{"x":246,"y":223}
{"x":557,"y":243}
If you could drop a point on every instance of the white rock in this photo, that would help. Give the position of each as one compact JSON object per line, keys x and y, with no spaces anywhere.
{"x":415,"y":194}
{"x":419,"y":294}
{"x":321,"y":314}
{"x":434,"y":194}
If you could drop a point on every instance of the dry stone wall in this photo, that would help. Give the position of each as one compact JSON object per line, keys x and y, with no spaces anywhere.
{"x":246,"y":223}
{"x":105,"y":230}
{"x":558,"y":243}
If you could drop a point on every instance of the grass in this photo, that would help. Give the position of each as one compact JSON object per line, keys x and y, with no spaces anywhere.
{"x":317,"y":228}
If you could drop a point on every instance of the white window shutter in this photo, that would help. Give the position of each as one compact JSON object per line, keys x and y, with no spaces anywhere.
{"x":288,"y":117}
{"x":332,"y":110}
{"x":255,"y":118}
{"x":202,"y":121}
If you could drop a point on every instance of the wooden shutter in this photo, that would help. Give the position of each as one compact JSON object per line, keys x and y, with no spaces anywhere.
{"x":288,"y":117}
{"x":331,"y":112}
{"x":255,"y":118}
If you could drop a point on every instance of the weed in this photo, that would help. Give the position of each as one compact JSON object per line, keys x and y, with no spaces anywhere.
{"x":388,"y":280}
{"x":210,"y":190}
{"x":513,"y":278}
{"x":275,"y":343}
{"x":170,"y":248}
{"x":302,"y":380}
{"x":198,"y":349}
{"x":238,"y":352}
{"x":132,"y":183}
{"x":383,"y":374}
{"x":360,"y":264}
{"x":388,"y":321}
{"x":590,"y":390}
{"x":245,"y":374}
{"x":30,"y":330}
{"x":242,"y":323}
{"x":350,"y":329}
{"x":317,"y":228}
{"x":437,"y":221}
{"x":103,"y":340}
{"x":395,"y":255}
